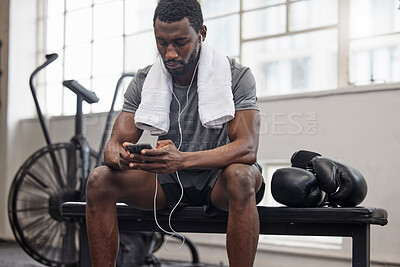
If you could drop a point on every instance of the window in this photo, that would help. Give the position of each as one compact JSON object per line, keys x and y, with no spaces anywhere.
{"x":374,"y":47}
{"x":290,"y":45}
{"x":293,"y":63}
{"x":97,"y":41}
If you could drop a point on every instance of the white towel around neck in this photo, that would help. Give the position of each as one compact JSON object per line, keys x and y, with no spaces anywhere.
{"x":214,"y":81}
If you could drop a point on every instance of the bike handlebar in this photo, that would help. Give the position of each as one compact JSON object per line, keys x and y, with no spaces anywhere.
{"x":49,"y":59}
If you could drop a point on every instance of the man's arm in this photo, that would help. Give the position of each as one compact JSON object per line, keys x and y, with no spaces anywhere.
{"x":124,"y":130}
{"x":243,"y":133}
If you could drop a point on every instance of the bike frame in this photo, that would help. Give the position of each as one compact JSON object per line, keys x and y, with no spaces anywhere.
{"x":49,"y":59}
{"x":109,"y":118}
{"x":82,"y":144}
{"x":78,"y":141}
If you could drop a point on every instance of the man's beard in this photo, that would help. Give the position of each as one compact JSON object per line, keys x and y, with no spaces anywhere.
{"x":186,"y":66}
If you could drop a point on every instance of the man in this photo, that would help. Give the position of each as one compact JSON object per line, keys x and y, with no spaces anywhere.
{"x":216,"y":165}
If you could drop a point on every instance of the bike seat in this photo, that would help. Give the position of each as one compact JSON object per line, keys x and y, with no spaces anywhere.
{"x":78,"y":89}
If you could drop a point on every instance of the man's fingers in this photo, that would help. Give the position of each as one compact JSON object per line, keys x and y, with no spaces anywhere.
{"x":153,"y":152}
{"x":150,"y":167}
{"x":163,"y":143}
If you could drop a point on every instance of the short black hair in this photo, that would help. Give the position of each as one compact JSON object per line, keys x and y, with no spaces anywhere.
{"x":176,"y":10}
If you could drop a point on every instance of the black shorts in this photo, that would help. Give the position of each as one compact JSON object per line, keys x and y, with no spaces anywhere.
{"x":197,"y":185}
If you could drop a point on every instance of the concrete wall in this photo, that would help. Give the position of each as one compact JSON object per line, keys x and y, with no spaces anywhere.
{"x":17,"y":103}
{"x":4,"y":7}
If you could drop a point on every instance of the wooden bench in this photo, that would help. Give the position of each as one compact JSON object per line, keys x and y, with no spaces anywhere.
{"x":323,"y":221}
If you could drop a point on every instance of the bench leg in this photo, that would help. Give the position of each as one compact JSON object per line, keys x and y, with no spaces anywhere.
{"x":85,"y":260}
{"x":361,"y":246}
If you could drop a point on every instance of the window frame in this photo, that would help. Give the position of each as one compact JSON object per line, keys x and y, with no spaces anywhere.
{"x":342,"y":26}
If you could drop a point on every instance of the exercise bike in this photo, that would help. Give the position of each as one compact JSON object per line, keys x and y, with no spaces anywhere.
{"x":57,"y":173}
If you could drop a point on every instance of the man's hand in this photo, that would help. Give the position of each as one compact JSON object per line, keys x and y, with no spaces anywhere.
{"x":123,"y":160}
{"x":165,"y":158}
{"x":124,"y":130}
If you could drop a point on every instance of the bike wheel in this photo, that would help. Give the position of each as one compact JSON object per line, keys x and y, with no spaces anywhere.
{"x":48,"y":178}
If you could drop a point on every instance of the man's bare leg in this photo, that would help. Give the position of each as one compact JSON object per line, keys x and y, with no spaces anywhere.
{"x":235,"y":192}
{"x":105,"y":188}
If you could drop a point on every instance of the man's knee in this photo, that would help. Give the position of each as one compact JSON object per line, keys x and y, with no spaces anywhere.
{"x":99,"y":182}
{"x":239,"y":180}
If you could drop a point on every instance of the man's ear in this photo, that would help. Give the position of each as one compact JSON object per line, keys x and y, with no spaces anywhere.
{"x":203,"y":33}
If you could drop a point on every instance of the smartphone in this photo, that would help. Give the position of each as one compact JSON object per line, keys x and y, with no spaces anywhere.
{"x":137,"y":148}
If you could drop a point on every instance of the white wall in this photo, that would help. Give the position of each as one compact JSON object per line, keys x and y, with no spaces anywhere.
{"x":22,"y":61}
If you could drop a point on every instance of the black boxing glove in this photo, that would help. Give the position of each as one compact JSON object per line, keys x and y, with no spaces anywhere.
{"x":295,"y":187}
{"x":344,"y":185}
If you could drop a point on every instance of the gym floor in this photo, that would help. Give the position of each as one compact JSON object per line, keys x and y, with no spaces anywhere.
{"x":12,"y":255}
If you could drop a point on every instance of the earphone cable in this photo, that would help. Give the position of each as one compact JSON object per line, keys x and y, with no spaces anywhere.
{"x":173,"y":232}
